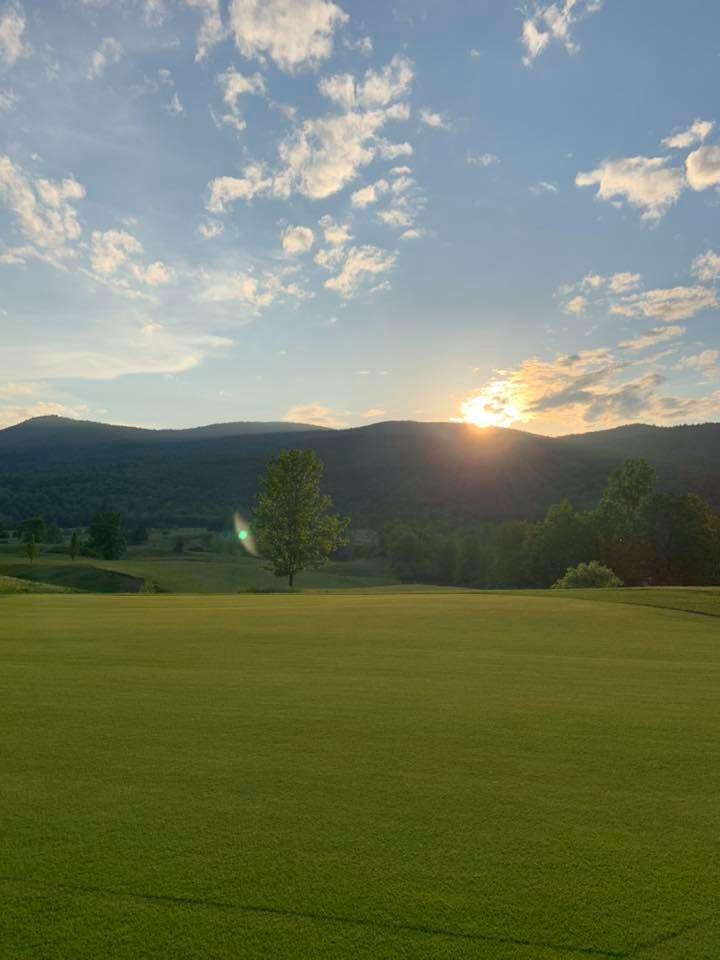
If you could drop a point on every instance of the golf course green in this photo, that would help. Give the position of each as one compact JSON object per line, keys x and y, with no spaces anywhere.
{"x":372,"y":775}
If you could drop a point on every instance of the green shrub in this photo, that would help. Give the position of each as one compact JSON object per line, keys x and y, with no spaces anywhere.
{"x":592,"y":574}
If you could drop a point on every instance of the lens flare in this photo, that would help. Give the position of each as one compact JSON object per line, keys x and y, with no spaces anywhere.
{"x":244,"y":535}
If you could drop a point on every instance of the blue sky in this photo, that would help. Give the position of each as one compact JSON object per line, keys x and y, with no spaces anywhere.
{"x":358,"y":211}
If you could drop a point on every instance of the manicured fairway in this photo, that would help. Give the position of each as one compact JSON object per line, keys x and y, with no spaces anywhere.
{"x":377,"y":777}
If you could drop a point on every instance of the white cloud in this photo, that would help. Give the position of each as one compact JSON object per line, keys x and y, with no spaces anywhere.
{"x":543,"y":186}
{"x":12,"y":28}
{"x":102,"y":347}
{"x":406,"y":202}
{"x":668,"y":305}
{"x":8,"y":100}
{"x":706,"y":363}
{"x":395,"y":217}
{"x":109,"y":51}
{"x":293,"y":33}
{"x":378,"y":88}
{"x":623,"y":282}
{"x":225,"y":190}
{"x":391,"y":151}
{"x":255,"y":291}
{"x":43,"y":211}
{"x":369,"y":194}
{"x":210,"y":228}
{"x":703,"y":168}
{"x":576,"y":306}
{"x":326,"y":153}
{"x":646,"y":183}
{"x":651,"y":338}
{"x":414,"y":233}
{"x":321,"y":155}
{"x":154,"y":12}
{"x":361,"y":262}
{"x":154,"y":274}
{"x":297,"y":240}
{"x":112,"y":253}
{"x":432,"y":119}
{"x":595,"y":283}
{"x":211,"y":30}
{"x":233,"y":86}
{"x":174,"y":106}
{"x":481,"y":159}
{"x":695,"y":133}
{"x":706,"y":267}
{"x":373,"y":413}
{"x":364,"y":46}
{"x":10,"y":415}
{"x":337,"y":236}
{"x":111,"y":249}
{"x":314,"y":413}
{"x":552,"y":22}
{"x":591,"y":388}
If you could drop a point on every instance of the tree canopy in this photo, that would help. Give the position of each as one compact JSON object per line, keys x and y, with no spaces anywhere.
{"x":294,"y":527}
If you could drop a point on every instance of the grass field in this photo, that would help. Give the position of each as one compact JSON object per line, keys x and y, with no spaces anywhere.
{"x":15,"y":585}
{"x":200,"y":574}
{"x":358,"y":776}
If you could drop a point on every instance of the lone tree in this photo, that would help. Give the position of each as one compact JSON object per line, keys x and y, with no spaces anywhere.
{"x":74,"y":548}
{"x":295,"y":530}
{"x":31,"y":549}
{"x":106,"y":536}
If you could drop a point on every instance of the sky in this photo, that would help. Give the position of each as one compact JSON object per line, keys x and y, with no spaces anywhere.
{"x":341,"y":213}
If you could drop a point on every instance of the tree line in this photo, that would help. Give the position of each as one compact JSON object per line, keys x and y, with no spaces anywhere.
{"x":641,"y":535}
{"x":636,"y":535}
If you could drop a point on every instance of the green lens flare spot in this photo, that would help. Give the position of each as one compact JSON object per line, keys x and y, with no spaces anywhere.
{"x":242,"y":534}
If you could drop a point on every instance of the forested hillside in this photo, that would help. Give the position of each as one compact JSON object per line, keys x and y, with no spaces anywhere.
{"x":66,"y":470}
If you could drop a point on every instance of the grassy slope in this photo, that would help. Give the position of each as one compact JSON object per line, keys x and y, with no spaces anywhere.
{"x":17,"y":585}
{"x":190,"y":574}
{"x":704,"y":600}
{"x":347,"y":776}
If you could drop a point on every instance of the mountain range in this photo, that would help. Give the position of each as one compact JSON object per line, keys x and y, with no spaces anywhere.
{"x":66,"y":470}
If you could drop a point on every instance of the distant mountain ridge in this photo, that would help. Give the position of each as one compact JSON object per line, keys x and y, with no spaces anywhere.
{"x":54,"y":428}
{"x":66,"y":470}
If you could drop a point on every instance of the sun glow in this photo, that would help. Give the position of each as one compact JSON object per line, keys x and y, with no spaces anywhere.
{"x":493,"y":407}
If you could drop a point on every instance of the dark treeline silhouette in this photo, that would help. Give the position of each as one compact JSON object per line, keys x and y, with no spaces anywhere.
{"x":449,"y":473}
{"x":642,"y":535}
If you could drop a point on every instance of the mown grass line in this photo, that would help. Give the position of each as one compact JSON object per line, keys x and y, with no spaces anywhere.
{"x":225,"y":906}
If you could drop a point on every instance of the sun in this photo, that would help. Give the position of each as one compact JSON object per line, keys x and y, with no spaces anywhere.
{"x":491,"y":408}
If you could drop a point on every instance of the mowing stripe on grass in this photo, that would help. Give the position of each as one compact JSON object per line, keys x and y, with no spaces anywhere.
{"x":171,"y":901}
{"x":664,"y":938}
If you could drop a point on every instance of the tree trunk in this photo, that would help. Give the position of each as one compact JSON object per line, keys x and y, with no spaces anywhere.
{"x":290,"y":579}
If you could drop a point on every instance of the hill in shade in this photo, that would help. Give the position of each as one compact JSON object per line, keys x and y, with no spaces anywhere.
{"x":66,"y":470}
